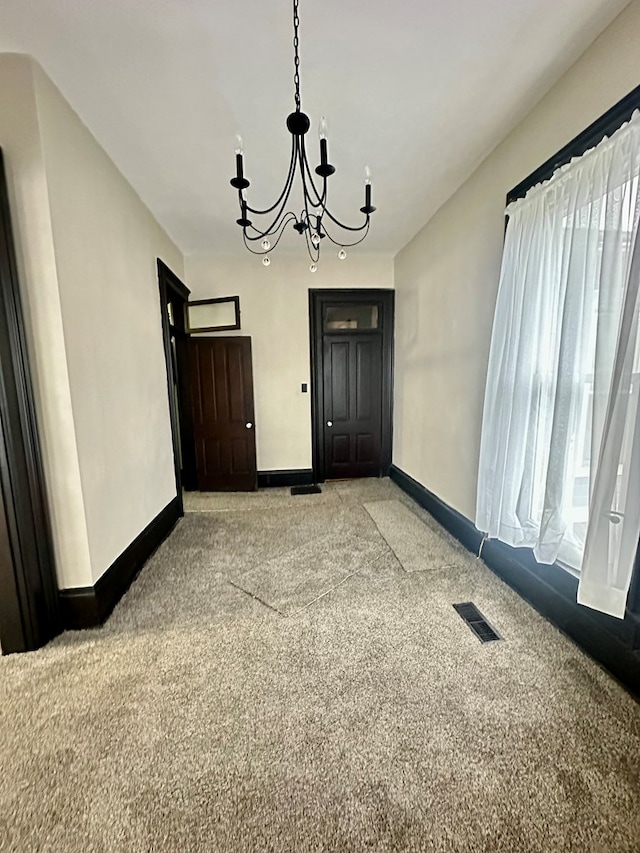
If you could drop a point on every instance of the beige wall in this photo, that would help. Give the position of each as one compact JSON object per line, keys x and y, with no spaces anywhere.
{"x":31,"y":220}
{"x":87,"y":250}
{"x":274,"y":302}
{"x":447,"y":276}
{"x":106,"y":245}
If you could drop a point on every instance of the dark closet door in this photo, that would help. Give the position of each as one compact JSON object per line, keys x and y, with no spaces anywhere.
{"x":352,"y":405}
{"x":351,"y":336}
{"x":221,"y":391}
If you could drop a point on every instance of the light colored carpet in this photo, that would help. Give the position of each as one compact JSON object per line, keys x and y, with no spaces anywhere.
{"x":353,"y":711}
{"x":418,"y":548}
{"x":262,"y":499}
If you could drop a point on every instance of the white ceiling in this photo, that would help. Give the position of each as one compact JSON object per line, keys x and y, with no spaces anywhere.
{"x":419,"y":90}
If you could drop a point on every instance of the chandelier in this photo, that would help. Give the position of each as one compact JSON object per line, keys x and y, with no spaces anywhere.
{"x":315,"y":222}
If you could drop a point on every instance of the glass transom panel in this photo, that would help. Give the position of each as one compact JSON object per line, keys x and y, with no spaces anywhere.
{"x":350,"y":317}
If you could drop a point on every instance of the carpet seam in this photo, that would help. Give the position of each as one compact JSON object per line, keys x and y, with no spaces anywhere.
{"x":255,"y":597}
{"x":322,"y":595}
{"x":389,"y":545}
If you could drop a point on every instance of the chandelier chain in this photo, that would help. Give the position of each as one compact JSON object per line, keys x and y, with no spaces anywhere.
{"x":296,"y":60}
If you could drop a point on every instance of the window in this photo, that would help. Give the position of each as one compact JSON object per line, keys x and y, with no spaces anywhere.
{"x":558,"y":449}
{"x":213,"y":315}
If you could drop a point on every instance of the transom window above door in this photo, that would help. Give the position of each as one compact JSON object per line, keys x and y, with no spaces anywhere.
{"x":350,"y":317}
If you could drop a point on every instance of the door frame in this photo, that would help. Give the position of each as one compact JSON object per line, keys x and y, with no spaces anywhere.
{"x":318,"y":298}
{"x":173,"y":291}
{"x":29,"y":606}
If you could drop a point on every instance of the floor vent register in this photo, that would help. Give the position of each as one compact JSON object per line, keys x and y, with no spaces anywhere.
{"x":485,"y":632}
{"x":306,"y":490}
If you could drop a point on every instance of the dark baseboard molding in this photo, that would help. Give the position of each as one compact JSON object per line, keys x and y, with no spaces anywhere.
{"x":292,"y":477}
{"x":449,"y":518}
{"x":551,"y":590}
{"x":87,"y":607}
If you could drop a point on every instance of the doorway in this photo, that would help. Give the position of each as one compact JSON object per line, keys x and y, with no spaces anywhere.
{"x":173,"y":299}
{"x":210,"y":388}
{"x":29,"y":608}
{"x":351,"y":333}
{"x":222,"y":413}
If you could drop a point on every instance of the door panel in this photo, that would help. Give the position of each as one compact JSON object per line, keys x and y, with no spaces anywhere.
{"x":365,"y":449}
{"x":365,"y":397}
{"x":221,"y":387}
{"x":352,"y":404}
{"x":212,"y":457}
{"x":339,"y":449}
{"x":338,"y":379}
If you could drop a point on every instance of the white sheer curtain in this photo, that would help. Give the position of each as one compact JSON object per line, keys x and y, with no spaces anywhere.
{"x":559,"y":456}
{"x":614,"y":524}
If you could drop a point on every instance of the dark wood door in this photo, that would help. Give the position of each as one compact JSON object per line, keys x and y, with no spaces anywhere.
{"x":351,"y":336}
{"x":221,"y":391}
{"x":352,"y":405}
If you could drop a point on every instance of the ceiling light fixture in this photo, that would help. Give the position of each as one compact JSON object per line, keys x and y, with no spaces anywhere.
{"x":315,"y":216}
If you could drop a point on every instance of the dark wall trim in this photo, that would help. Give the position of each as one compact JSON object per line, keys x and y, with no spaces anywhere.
{"x":87,"y":607}
{"x":173,"y":291}
{"x":318,"y":298}
{"x":595,"y":133}
{"x":171,"y":279}
{"x":459,"y":526}
{"x":29,"y":615}
{"x":292,"y":477}
{"x":549,"y":589}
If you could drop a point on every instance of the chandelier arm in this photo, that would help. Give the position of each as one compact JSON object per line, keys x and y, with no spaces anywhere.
{"x":275,"y":225}
{"x":287,"y":218}
{"x":348,"y":245}
{"x":348,"y":227}
{"x":310,"y":246}
{"x":322,"y":202}
{"x":260,"y":235}
{"x":304,"y":167}
{"x":306,"y":199}
{"x":286,"y":189}
{"x":276,"y":229}
{"x":281,"y":216}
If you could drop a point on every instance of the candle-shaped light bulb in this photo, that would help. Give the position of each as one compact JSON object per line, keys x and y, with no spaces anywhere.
{"x":325,"y":169}
{"x":239,"y":182}
{"x":322,"y":133}
{"x":368,"y":207}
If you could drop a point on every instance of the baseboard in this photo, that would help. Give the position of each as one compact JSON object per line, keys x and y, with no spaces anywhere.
{"x":292,"y":477}
{"x":449,"y":518}
{"x":550,"y":590}
{"x":87,"y":607}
